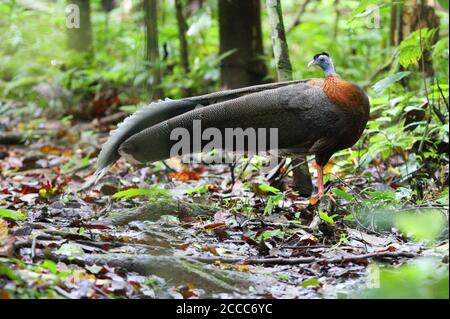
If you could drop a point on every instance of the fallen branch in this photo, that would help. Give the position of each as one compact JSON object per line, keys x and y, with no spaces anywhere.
{"x":303,"y":260}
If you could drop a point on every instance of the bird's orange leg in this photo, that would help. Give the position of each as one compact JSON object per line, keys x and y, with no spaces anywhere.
{"x":320,"y":187}
{"x":314,"y":200}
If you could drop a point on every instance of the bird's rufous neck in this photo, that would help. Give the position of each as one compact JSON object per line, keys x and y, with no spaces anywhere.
{"x":333,"y":75}
{"x":342,"y":93}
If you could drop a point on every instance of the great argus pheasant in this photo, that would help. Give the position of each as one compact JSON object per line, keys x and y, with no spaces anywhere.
{"x":318,"y":116}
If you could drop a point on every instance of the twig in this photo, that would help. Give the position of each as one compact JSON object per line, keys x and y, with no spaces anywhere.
{"x":244,"y":168}
{"x":233,"y":178}
{"x":115,"y":244}
{"x":430,"y":205}
{"x":305,"y":247}
{"x":439,"y":114}
{"x":232,"y":168}
{"x":304,"y":260}
{"x":168,"y":167}
{"x":273,"y":174}
{"x":384,"y":254}
{"x":298,"y":16}
{"x":290,"y":168}
{"x":442,"y":95}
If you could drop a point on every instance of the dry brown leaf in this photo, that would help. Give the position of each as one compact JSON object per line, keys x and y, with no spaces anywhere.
{"x":3,"y":232}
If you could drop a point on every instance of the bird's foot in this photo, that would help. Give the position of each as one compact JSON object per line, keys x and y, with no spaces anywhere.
{"x":314,"y":200}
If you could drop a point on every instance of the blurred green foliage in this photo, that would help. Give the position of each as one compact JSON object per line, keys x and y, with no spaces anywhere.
{"x":424,"y":278}
{"x":426,"y":225}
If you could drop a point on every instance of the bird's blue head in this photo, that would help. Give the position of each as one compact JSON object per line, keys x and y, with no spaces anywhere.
{"x":324,"y":61}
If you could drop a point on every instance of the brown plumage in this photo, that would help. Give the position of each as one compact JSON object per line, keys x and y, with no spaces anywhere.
{"x":313,"y":117}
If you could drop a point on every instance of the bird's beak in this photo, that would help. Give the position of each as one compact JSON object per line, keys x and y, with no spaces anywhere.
{"x":311,"y":63}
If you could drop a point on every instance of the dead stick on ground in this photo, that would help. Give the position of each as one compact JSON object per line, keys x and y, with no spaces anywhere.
{"x":305,"y":260}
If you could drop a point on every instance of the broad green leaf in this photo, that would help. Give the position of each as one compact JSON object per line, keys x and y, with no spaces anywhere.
{"x":269,"y":207}
{"x":328,"y":219}
{"x":272,"y":202}
{"x":410,"y":49}
{"x":361,"y":8}
{"x":135,"y":192}
{"x":268,"y":189}
{"x":439,"y":48}
{"x":6,"y":213}
{"x":202,"y":189}
{"x":9,"y":272}
{"x":340,"y":193}
{"x":382,"y":85}
{"x":152,"y":282}
{"x":382,"y":195}
{"x":270,"y":234}
{"x":50,"y":265}
{"x":311,"y":282}
{"x":283,"y":277}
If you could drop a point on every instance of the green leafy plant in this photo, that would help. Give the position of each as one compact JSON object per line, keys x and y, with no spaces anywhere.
{"x":326,"y":218}
{"x":268,"y":189}
{"x":410,"y":49}
{"x":146,"y":192}
{"x":275,"y":197}
{"x":201,"y":189}
{"x":385,"y":83}
{"x":6,"y":213}
{"x":268,"y":234}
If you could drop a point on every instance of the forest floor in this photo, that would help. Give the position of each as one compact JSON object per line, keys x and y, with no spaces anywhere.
{"x":179,"y":231}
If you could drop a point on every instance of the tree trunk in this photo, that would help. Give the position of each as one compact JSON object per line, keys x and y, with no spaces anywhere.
{"x":78,"y":23}
{"x":184,"y":49}
{"x":393,"y":36}
{"x":108,"y":5}
{"x":240,"y":30}
{"x":151,"y":23}
{"x":279,"y":42}
{"x":302,"y":178}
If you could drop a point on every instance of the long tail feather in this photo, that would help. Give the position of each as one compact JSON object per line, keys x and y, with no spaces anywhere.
{"x":160,"y":111}
{"x":285,"y":109}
